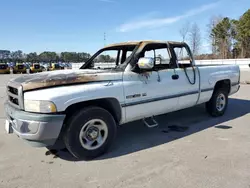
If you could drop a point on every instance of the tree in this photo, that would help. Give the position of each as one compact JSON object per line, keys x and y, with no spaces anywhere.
{"x":212,"y":23}
{"x":195,"y":39}
{"x":16,"y":55}
{"x":70,"y":56}
{"x":83,"y":57}
{"x":243,"y":34}
{"x":47,"y":56}
{"x":4,"y":54}
{"x":32,"y":57}
{"x":184,"y":31}
{"x":235,"y":44}
{"x":222,"y":33}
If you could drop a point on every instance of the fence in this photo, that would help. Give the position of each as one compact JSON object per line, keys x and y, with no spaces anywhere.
{"x":243,"y":63}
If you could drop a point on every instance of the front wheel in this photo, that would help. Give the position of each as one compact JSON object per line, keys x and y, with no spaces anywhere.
{"x":217,"y":105}
{"x":90,"y":132}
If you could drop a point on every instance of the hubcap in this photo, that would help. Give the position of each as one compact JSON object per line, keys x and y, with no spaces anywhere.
{"x":93,"y":134}
{"x":220,"y":102}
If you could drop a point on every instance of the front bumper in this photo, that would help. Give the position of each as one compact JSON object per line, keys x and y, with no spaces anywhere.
{"x":36,"y":70}
{"x":38,"y":129}
{"x":4,"y":71}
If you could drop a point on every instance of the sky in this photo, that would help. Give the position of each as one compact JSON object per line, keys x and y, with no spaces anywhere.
{"x":79,"y":25}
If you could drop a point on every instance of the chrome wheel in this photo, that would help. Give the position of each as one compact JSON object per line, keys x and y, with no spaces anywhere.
{"x":93,"y":134}
{"x":220,"y":102}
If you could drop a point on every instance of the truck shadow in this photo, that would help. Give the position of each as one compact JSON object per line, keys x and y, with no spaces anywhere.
{"x":134,"y":137}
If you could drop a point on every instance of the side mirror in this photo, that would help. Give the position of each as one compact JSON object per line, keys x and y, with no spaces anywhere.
{"x":146,"y":63}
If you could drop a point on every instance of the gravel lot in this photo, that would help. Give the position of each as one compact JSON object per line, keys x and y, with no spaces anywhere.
{"x":210,"y":152}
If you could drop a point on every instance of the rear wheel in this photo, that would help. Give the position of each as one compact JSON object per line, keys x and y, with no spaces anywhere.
{"x":217,"y":105}
{"x":90,"y":132}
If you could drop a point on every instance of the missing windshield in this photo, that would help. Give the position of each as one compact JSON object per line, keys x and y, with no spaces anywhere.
{"x":110,"y":58}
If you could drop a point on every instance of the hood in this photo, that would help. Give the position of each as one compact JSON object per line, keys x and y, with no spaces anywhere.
{"x":62,"y":77}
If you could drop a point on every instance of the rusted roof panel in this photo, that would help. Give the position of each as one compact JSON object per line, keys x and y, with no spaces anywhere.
{"x":143,"y":43}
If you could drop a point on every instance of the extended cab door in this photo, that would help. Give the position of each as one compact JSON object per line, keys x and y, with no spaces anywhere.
{"x":153,"y":92}
{"x":188,"y":77}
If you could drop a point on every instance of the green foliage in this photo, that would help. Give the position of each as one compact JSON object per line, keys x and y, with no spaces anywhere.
{"x":105,"y":58}
{"x":243,"y":34}
{"x":232,"y":37}
{"x":18,"y":56}
{"x":47,"y":56}
{"x":74,"y":57}
{"x":32,"y":57}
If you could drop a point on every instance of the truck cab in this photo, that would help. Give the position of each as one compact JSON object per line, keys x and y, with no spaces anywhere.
{"x":19,"y":68}
{"x":35,"y":67}
{"x":4,"y":68}
{"x":54,"y":66}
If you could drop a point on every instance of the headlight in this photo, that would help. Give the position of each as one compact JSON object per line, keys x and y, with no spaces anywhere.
{"x":39,"y":106}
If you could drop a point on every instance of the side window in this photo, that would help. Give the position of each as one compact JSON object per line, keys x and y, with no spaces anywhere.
{"x":160,"y":55}
{"x":183,"y":57}
{"x":106,"y":59}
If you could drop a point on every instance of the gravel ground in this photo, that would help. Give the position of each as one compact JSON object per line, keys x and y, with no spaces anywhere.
{"x":207,"y":152}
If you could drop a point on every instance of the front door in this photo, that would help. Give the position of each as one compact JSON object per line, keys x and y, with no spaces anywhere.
{"x":153,"y":92}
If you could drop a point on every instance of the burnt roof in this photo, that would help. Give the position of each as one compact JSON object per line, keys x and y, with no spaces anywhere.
{"x":143,"y":42}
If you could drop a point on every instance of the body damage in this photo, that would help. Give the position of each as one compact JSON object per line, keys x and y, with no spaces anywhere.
{"x":108,"y":85}
{"x":59,"y":78}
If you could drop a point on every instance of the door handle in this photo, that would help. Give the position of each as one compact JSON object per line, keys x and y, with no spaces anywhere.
{"x":175,"y":77}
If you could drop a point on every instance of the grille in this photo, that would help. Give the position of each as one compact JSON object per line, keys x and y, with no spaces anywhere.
{"x":3,"y":66}
{"x":37,"y":67}
{"x":20,"y":66}
{"x":15,"y":95}
{"x":13,"y":90}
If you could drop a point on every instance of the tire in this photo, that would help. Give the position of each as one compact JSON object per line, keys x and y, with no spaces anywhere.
{"x":88,"y":126}
{"x":215,"y":109}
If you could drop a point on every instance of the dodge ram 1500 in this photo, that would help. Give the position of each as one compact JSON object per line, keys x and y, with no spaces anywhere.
{"x":120,"y":83}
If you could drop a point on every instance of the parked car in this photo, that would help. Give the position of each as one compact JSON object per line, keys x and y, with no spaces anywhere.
{"x":54,"y":66}
{"x":68,"y":66}
{"x":4,"y":68}
{"x":35,"y":67}
{"x":82,"y":108}
{"x":19,"y":68}
{"x":44,"y":66}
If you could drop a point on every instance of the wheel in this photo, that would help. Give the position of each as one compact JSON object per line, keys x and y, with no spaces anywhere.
{"x":90,"y":132}
{"x":217,"y":105}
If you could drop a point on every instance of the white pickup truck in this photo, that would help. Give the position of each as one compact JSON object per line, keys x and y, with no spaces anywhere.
{"x":120,"y":83}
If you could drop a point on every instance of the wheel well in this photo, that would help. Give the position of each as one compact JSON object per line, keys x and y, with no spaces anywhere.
{"x":112,"y":105}
{"x":225,"y":84}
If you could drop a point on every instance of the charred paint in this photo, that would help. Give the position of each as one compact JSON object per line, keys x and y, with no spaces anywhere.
{"x":44,"y":80}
